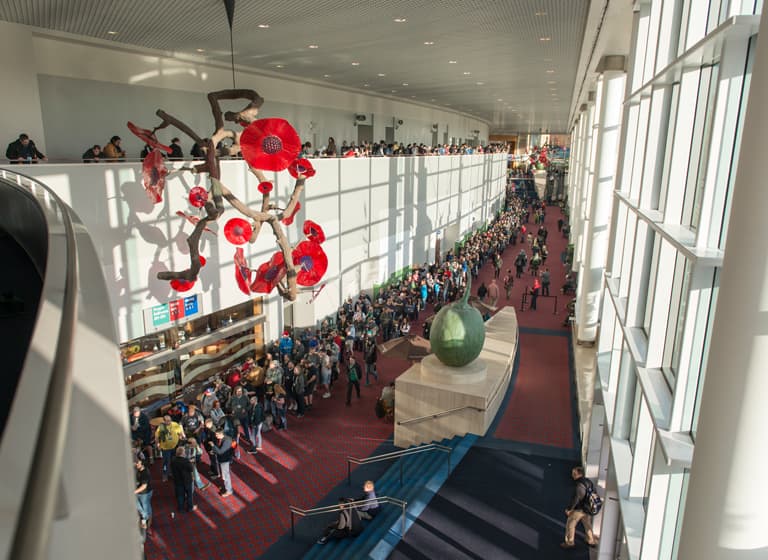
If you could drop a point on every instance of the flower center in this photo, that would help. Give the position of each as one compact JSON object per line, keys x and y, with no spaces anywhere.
{"x":271,"y":273}
{"x":306,"y":262}
{"x":271,"y":145}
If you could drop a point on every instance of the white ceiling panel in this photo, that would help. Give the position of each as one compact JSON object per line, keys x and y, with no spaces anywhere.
{"x":515,"y":59}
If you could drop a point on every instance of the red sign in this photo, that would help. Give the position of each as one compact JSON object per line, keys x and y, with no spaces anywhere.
{"x":176,"y":309}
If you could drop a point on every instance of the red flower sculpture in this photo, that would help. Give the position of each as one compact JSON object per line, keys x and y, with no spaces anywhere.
{"x":242,"y":272}
{"x":181,"y":285}
{"x":301,"y":168}
{"x":312,"y":262}
{"x":265,"y":187}
{"x":269,"y":274}
{"x":154,"y":172}
{"x":193,"y":220}
{"x":198,"y":196}
{"x":313,"y":231}
{"x":237,"y":231}
{"x":148,"y":137}
{"x":270,"y":144}
{"x":288,"y":220}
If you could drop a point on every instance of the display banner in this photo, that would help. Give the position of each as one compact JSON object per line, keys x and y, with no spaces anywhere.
{"x":160,"y":317}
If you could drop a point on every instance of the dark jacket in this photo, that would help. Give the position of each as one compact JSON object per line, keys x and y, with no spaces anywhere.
{"x":223,"y":449}
{"x":176,"y":152}
{"x":143,"y":431}
{"x":89,"y":156}
{"x":182,"y":470}
{"x":579,"y":493}
{"x":18,"y":150}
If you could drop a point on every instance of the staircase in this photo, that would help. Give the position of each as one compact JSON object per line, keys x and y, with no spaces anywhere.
{"x":423,"y":475}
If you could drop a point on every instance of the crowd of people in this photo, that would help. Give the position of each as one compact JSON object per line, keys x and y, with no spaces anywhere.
{"x":230,"y":414}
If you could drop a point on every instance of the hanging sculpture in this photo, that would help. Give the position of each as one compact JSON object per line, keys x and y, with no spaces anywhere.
{"x":266,"y":145}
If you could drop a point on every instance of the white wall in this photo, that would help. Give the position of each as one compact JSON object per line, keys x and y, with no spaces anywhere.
{"x":379,"y":215}
{"x":82,"y":91}
{"x":19,"y":97}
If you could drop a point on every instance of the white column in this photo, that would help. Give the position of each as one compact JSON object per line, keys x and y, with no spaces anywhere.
{"x":726,"y":512}
{"x":599,"y":205}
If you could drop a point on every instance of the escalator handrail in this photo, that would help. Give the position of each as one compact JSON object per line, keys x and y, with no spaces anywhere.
{"x":35,"y":519}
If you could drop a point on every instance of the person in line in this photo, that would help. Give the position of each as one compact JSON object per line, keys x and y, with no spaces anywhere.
{"x":493,"y":293}
{"x":546,"y":279}
{"x":371,"y":354}
{"x":222,"y":447}
{"x":347,"y":525}
{"x":370,"y":510}
{"x":23,"y":150}
{"x":183,"y":480}
{"x":143,"y":492}
{"x":255,"y":425}
{"x":176,"y":151}
{"x":113,"y":150}
{"x":509,"y":282}
{"x":92,"y":155}
{"x":535,"y":293}
{"x":141,"y":431}
{"x":167,"y":436}
{"x":576,"y":511}
{"x":353,"y":379}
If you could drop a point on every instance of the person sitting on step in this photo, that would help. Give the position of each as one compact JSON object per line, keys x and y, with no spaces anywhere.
{"x":347,"y":525}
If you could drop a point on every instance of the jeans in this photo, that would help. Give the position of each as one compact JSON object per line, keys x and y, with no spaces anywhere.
{"x":184,"y":495}
{"x":255,"y":434}
{"x":198,"y":480}
{"x":167,"y":456}
{"x":279,"y":416}
{"x":226,"y":476}
{"x":144,"y":505}
{"x":370,"y":369}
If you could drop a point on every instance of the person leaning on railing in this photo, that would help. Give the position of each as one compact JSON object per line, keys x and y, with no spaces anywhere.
{"x":23,"y":150}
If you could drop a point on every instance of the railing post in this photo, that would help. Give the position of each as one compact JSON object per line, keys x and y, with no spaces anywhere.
{"x":402,"y":522}
{"x":293,"y":529}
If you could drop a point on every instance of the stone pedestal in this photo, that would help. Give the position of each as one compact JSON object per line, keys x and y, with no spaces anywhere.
{"x":431,"y":388}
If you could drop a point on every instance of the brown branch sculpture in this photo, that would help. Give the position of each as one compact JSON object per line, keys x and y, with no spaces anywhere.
{"x":219,"y":192}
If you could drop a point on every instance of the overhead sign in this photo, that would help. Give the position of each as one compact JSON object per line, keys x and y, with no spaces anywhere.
{"x":160,"y":317}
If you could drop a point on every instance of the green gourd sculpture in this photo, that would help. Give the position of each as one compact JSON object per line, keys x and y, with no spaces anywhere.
{"x":458,"y":332}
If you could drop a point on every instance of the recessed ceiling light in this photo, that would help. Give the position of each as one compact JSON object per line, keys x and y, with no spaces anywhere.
{"x":200,"y":50}
{"x":480,"y":83}
{"x":540,"y":14}
{"x":545,"y":38}
{"x":399,"y":20}
{"x":394,"y":91}
{"x":279,"y":66}
{"x":551,"y":82}
{"x":452,"y":62}
{"x":366,"y":85}
{"x":405,"y":83}
{"x":550,"y":71}
{"x":355,"y":64}
{"x":313,"y":47}
{"x":467,"y":73}
{"x":380,"y":75}
{"x":499,"y":100}
{"x":326,"y":75}
{"x":111,"y":32}
{"x":429,"y":43}
{"x":263,"y":26}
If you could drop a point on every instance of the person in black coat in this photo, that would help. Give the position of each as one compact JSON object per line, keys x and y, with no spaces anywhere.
{"x":92,"y":155}
{"x":371,"y":354}
{"x":23,"y":150}
{"x":142,"y":431}
{"x":176,"y":152}
{"x":183,"y":480}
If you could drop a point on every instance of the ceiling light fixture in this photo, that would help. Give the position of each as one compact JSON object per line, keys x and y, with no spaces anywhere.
{"x":499,"y":100}
{"x":545,"y":38}
{"x":279,"y":66}
{"x":394,"y":91}
{"x":429,"y":43}
{"x":467,"y":73}
{"x":366,"y":85}
{"x":452,"y":62}
{"x":480,"y":83}
{"x":313,"y":47}
{"x":326,"y":75}
{"x":540,"y":14}
{"x":263,"y":26}
{"x":380,"y":75}
{"x":550,"y":71}
{"x":111,"y":32}
{"x":200,"y":50}
{"x":405,"y":83}
{"x":355,"y":64}
{"x":399,"y":20}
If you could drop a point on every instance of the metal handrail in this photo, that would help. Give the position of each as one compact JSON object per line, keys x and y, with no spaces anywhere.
{"x":396,"y":455}
{"x":41,"y":494}
{"x":440,"y":414}
{"x":355,"y":503}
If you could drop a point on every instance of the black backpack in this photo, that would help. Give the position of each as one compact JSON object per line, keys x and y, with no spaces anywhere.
{"x":592,"y":503}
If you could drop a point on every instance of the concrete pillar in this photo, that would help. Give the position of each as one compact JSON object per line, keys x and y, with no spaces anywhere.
{"x":725,"y":511}
{"x":596,"y":226}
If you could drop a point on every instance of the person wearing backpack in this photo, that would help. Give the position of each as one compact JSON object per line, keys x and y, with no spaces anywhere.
{"x":584,"y":504}
{"x":353,"y":379}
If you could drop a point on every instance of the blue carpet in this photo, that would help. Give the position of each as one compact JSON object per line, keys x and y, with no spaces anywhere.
{"x":497,"y":504}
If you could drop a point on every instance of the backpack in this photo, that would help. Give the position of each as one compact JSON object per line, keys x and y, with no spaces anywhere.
{"x":592,"y":503}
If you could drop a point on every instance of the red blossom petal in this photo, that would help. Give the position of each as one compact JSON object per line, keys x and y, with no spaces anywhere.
{"x":288,"y":220}
{"x":237,"y":231}
{"x":193,"y":220}
{"x":148,"y":137}
{"x":181,"y":285}
{"x":202,"y":260}
{"x":301,"y":168}
{"x":265,"y":187}
{"x":311,"y":261}
{"x":269,"y":274}
{"x":242,"y":272}
{"x":270,"y":144}
{"x":154,"y":172}
{"x":198,"y":196}
{"x":313,"y":231}
{"x":349,"y":154}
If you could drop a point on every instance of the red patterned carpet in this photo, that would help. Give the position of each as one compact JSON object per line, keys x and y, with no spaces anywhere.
{"x":301,"y":465}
